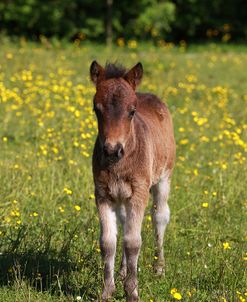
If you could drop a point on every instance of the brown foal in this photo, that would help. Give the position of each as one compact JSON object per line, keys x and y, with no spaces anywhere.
{"x":134,"y":153}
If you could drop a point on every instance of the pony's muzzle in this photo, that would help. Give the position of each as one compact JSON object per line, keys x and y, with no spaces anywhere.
{"x":113,"y":152}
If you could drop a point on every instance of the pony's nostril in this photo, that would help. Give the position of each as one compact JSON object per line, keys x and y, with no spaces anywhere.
{"x":116,"y":152}
{"x":109,"y":150}
{"x":120,"y":152}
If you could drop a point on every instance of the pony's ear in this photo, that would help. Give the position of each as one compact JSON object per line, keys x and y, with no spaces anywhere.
{"x":96,"y":72}
{"x":134,"y":75}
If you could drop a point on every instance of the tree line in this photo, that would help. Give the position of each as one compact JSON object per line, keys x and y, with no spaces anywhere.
{"x":109,"y":20}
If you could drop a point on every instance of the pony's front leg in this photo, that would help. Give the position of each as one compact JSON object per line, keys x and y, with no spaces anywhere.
{"x":108,"y":238}
{"x":132,"y":246}
{"x":121,"y":214}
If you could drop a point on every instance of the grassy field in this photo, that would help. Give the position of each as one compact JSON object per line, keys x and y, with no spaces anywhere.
{"x":48,"y":221}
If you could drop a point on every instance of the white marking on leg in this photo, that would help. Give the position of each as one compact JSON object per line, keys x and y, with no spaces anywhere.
{"x":108,"y":238}
{"x":121,"y":213}
{"x":161,"y":216}
{"x":132,"y":245}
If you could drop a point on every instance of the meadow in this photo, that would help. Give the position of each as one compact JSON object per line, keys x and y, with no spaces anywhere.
{"x":49,"y":227}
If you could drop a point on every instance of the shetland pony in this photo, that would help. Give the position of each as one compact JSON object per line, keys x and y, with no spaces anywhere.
{"x":134,"y":154}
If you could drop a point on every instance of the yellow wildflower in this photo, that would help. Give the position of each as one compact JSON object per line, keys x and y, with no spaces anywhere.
{"x":224,"y":166}
{"x":77,"y":208}
{"x":184,"y":141}
{"x":226,"y":246}
{"x":9,"y":56}
{"x":120,"y":42}
{"x":132,"y":43}
{"x":61,"y":209}
{"x":189,"y":294}
{"x":176,"y":295}
{"x":67,"y":191}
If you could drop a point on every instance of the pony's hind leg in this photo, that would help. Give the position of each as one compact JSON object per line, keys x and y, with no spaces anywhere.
{"x":160,"y":218}
{"x":108,"y":238}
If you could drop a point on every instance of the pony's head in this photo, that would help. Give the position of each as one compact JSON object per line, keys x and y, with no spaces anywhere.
{"x":115,"y":105}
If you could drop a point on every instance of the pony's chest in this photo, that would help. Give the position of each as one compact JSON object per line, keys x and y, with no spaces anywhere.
{"x":119,"y":189}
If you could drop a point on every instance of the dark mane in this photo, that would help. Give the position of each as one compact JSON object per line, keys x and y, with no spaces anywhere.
{"x":114,"y":71}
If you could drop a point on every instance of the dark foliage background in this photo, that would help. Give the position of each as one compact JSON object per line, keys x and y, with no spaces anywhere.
{"x":172,"y":20}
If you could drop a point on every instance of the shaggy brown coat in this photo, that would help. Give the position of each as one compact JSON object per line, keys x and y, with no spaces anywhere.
{"x":133,"y":154}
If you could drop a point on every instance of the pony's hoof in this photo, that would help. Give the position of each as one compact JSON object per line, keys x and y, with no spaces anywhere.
{"x":107,"y":293}
{"x":133,"y":299}
{"x":159,"y":269}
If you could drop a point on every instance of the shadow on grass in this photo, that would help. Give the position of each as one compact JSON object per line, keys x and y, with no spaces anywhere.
{"x":45,"y":273}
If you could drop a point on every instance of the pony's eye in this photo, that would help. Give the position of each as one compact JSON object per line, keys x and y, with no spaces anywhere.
{"x":132,"y":112}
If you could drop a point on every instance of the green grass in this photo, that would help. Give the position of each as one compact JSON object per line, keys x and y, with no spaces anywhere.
{"x":49,"y":249}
